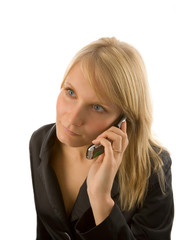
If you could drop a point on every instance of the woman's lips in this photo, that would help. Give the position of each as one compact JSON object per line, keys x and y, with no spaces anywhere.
{"x":70,"y":132}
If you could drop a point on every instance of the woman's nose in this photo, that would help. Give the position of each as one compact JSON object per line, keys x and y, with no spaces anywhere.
{"x":76,"y":116}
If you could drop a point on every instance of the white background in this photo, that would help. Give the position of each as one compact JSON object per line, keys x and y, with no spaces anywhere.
{"x":37,"y":40}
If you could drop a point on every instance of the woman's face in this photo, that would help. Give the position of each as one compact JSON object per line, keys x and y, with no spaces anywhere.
{"x":80,"y":116}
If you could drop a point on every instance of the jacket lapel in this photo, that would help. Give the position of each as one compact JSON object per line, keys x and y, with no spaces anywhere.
{"x":50,"y":182}
{"x":82,"y":203}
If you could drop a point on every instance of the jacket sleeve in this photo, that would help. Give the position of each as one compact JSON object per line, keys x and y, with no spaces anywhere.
{"x":152,"y":221}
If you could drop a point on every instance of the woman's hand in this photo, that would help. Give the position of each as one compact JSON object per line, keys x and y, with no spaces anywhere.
{"x":103,"y":170}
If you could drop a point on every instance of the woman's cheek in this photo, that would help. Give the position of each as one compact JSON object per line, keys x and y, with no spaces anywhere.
{"x":100,"y":126}
{"x":58,"y":106}
{"x":61,"y":106}
{"x":96,"y":128}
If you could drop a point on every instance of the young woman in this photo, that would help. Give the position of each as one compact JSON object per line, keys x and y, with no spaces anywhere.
{"x":125,"y":192}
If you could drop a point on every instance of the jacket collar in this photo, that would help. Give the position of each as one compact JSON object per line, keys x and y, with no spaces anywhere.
{"x":52,"y":188}
{"x":48,"y":141}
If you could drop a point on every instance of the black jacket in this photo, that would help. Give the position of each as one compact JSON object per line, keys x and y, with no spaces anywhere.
{"x":151,"y":222}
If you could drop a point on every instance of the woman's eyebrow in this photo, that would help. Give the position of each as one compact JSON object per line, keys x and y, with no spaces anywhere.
{"x":71,"y":86}
{"x":66,"y":82}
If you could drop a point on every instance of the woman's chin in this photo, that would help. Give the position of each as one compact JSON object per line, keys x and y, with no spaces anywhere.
{"x":72,"y":142}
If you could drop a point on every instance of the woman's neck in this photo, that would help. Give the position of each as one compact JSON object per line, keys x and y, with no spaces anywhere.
{"x":78,"y":153}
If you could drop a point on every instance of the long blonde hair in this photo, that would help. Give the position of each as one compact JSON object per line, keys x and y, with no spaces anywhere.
{"x":117,"y":72}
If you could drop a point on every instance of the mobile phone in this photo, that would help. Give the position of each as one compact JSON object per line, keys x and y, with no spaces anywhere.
{"x":95,"y":150}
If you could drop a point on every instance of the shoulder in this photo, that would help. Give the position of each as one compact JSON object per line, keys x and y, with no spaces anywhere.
{"x":164,"y":172}
{"x":165,"y":158}
{"x":167,"y":171}
{"x":39,"y":135}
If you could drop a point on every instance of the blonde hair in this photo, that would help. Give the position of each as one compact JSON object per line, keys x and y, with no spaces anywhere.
{"x":116,"y":71}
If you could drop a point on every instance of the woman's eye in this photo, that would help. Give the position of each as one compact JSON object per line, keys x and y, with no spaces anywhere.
{"x":71,"y":92}
{"x":98,"y":108}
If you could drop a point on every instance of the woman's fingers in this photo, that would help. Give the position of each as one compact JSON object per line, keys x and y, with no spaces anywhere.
{"x":124,"y":126}
{"x":116,"y":136}
{"x":115,"y":139}
{"x":108,"y":152}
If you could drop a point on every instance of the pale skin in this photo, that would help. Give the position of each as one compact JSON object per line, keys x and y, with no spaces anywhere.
{"x":82,"y":120}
